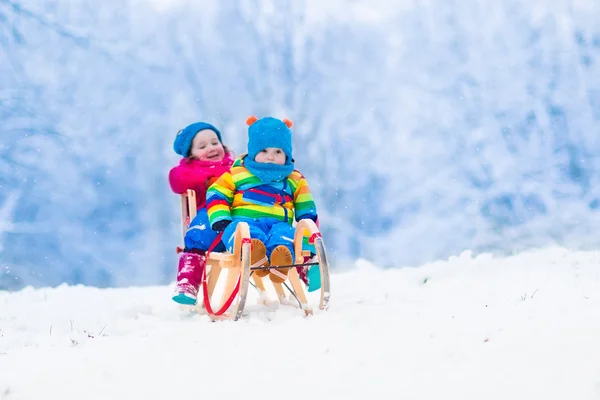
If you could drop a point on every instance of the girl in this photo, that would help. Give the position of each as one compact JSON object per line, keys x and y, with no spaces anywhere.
{"x":205,"y":158}
{"x":263,"y":189}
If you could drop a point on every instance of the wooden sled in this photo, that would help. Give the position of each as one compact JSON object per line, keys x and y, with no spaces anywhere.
{"x":239,"y":271}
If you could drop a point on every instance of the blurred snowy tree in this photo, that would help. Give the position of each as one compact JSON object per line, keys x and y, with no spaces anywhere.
{"x":424,"y":127}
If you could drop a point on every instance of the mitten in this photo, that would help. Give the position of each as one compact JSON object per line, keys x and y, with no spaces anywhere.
{"x":220,"y":226}
{"x":314,"y":218}
{"x":210,"y":180}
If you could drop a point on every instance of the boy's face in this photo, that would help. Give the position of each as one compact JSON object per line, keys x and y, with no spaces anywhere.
{"x":206,"y":146}
{"x":271,"y":155}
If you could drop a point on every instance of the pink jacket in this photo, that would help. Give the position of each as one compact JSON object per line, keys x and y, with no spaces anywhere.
{"x":198,"y":175}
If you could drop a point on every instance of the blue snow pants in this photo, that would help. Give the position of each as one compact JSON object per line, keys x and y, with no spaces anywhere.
{"x":270,"y":231}
{"x":199,"y":234}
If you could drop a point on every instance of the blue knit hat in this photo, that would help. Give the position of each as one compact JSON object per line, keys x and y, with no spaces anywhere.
{"x":269,"y":132}
{"x":183,"y":140}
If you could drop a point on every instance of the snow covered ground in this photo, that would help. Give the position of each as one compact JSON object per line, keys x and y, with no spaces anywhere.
{"x":523,"y":327}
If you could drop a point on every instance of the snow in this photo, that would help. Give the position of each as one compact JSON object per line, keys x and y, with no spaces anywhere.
{"x":520,"y":327}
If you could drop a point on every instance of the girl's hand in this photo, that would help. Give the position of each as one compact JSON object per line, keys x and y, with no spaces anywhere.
{"x":210,"y":180}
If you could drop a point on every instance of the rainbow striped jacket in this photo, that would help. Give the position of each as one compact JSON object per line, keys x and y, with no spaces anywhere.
{"x":238,"y":193}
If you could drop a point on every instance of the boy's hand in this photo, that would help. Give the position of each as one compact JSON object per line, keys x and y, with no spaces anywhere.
{"x":220,"y":226}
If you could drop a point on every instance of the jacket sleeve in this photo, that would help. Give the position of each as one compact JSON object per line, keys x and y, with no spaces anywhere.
{"x":219,"y":197}
{"x":304,"y":203}
{"x":182,"y":178}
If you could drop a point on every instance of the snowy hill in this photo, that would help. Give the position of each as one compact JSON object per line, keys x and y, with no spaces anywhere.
{"x":524,"y":327}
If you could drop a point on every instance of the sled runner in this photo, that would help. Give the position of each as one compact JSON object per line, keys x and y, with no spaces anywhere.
{"x":311,"y":262}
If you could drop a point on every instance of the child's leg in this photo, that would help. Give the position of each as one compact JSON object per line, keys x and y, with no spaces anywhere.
{"x":256,"y":232}
{"x":280,"y":247}
{"x":198,"y":238}
{"x":200,"y":235}
{"x":258,"y":236}
{"x":189,"y":275}
{"x":280,"y":234}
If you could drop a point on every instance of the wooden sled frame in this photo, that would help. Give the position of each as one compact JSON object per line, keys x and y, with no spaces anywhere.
{"x":239,"y":271}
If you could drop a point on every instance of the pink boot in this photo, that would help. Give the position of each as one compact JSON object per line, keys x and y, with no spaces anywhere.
{"x":189,"y":275}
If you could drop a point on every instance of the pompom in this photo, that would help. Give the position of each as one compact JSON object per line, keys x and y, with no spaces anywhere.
{"x":251,"y":119}
{"x":288,"y":122}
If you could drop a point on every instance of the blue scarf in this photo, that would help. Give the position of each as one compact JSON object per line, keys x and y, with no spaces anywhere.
{"x":268,"y":173}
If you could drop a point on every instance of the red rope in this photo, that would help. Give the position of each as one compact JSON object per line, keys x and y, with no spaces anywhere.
{"x":214,"y":243}
{"x":227,"y":304}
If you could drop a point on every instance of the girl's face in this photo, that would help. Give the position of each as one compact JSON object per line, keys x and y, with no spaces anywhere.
{"x":206,"y":146}
{"x":271,"y":155}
